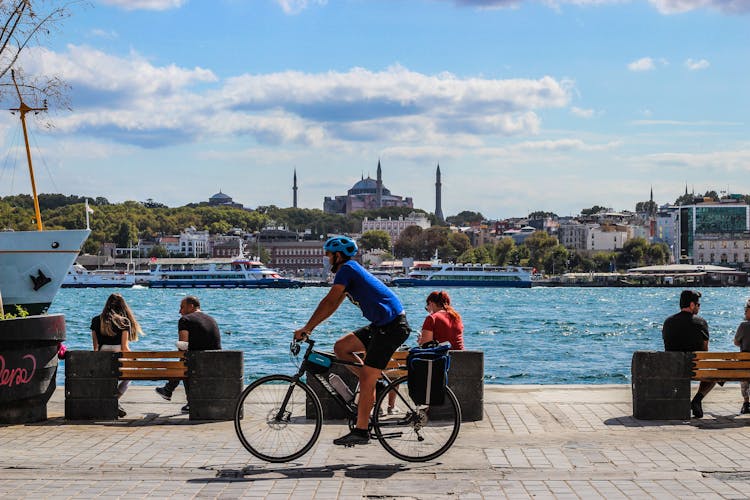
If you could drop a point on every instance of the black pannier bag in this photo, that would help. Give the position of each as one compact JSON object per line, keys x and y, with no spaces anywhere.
{"x":428,"y":373}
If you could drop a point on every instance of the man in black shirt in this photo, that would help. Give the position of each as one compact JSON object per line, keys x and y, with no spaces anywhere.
{"x":199,"y":331}
{"x":686,"y":331}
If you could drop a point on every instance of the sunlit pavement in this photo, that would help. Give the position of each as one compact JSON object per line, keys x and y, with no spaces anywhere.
{"x":534,"y":441}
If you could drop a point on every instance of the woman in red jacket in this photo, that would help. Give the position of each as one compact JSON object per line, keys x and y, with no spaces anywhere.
{"x":443,"y":323}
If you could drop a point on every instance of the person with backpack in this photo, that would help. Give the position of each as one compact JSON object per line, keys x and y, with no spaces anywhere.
{"x":385,"y":333}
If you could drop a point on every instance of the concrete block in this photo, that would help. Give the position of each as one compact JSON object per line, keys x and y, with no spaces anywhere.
{"x":661,"y":385}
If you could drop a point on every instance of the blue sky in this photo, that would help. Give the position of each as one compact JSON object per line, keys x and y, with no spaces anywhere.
{"x":526,"y":104}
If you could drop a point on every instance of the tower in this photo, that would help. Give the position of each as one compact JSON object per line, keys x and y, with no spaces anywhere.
{"x":294,"y":189}
{"x":379,"y":187}
{"x":438,"y":197}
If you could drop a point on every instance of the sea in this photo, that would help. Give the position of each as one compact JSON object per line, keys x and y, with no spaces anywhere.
{"x":528,"y":336}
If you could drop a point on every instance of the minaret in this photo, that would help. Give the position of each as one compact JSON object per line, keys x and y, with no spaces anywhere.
{"x":379,"y":187}
{"x":294,"y":189}
{"x":438,"y":197}
{"x":652,"y":205}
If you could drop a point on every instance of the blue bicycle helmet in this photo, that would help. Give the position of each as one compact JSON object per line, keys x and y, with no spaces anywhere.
{"x":342,"y":244}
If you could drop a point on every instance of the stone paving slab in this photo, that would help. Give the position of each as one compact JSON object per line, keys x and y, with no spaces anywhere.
{"x":534,"y":442}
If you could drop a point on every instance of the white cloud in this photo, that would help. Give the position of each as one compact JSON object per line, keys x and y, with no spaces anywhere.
{"x":582,"y":113}
{"x":695,"y":65}
{"x":297,"y":6}
{"x":642,"y":64}
{"x":108,"y":35}
{"x":145,"y":4}
{"x":679,"y":6}
{"x":663,"y":6}
{"x":130,"y":100}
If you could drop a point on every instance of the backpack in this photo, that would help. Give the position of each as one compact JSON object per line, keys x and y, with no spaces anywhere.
{"x":428,"y":373}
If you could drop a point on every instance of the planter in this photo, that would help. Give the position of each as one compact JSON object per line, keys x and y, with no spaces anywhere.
{"x":28,"y":366}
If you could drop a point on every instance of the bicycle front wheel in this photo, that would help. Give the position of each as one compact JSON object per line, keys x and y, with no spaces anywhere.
{"x":274,"y":421}
{"x":412,"y":432}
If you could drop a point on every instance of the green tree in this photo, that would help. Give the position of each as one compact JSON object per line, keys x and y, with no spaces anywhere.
{"x":503,"y":251}
{"x":593,"y":210}
{"x":409,"y":243}
{"x":465,"y":218}
{"x":539,"y":244}
{"x":375,"y":239}
{"x":645,"y":207}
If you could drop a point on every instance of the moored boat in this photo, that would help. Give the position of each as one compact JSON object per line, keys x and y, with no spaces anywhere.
{"x":80,"y":277}
{"x":238,"y":272}
{"x":438,"y":274}
{"x":33,"y":264}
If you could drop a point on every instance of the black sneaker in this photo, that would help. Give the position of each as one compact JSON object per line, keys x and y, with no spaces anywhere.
{"x":161,"y":391}
{"x":355,"y":437}
{"x":745,"y":408}
{"x":185,"y":409}
{"x":120,"y":412}
{"x":697,"y":409}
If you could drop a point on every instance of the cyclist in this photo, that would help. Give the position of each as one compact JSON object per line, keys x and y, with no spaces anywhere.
{"x":388,"y":328}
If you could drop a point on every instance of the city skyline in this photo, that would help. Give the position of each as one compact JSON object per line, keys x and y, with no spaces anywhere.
{"x":553,"y":105}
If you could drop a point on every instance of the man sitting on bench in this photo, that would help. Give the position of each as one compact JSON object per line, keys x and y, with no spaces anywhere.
{"x":686,"y":331}
{"x":199,"y":331}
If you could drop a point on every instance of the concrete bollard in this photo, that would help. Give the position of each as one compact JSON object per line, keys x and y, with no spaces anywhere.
{"x":91,"y":385}
{"x":215,"y":381}
{"x":661,"y":385}
{"x":466,"y":380}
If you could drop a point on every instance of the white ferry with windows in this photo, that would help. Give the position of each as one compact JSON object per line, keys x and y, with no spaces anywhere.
{"x":80,"y":277}
{"x":437,"y":274}
{"x":239,"y":272}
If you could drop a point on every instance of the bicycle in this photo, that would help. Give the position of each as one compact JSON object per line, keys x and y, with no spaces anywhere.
{"x":278,"y":418}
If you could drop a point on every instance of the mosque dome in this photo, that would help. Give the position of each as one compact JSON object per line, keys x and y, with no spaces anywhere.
{"x":367,"y":186}
{"x":220,"y":198}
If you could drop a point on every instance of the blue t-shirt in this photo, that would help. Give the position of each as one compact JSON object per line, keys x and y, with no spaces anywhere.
{"x":377,"y":302}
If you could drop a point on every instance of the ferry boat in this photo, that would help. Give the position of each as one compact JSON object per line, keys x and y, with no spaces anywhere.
{"x":437,"y":274}
{"x":80,"y":277}
{"x":34,"y":263}
{"x":238,"y":272}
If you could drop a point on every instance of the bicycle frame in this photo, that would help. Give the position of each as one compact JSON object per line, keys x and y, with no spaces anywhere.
{"x":323,"y":379}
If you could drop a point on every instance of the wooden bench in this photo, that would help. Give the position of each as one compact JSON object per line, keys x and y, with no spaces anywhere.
{"x":153,"y":365}
{"x":215,"y":379}
{"x":720,"y":366}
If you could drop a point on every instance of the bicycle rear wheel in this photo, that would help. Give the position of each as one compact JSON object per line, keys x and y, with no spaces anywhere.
{"x":273,"y":421}
{"x":411,"y":432}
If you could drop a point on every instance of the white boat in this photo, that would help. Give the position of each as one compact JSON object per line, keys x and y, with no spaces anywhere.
{"x":238,"y":272}
{"x":80,"y":277}
{"x":437,"y":274}
{"x":33,"y":264}
{"x":384,"y":276}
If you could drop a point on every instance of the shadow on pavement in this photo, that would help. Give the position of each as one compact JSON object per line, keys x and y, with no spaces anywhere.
{"x":262,"y":472}
{"x":709,"y":421}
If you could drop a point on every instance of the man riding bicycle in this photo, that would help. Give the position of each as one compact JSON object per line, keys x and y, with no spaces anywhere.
{"x":388,"y":328}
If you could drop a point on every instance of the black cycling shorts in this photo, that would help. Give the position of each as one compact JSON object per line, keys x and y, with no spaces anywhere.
{"x":382,"y":341}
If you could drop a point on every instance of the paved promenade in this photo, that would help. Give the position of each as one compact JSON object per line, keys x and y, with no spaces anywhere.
{"x":535,"y":441}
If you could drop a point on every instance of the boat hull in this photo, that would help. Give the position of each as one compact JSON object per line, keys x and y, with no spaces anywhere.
{"x":438,"y":283}
{"x":33,"y":265}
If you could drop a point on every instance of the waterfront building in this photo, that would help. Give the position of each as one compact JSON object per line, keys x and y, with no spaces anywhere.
{"x":593,"y":237}
{"x":713,"y":232}
{"x":194,"y":243}
{"x":395,"y":227}
{"x":366,"y":194}
{"x":170,"y":243}
{"x":301,"y":257}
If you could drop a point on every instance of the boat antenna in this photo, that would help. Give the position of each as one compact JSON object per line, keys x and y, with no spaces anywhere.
{"x":23,"y":109}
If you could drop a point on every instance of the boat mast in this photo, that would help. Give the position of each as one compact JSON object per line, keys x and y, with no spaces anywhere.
{"x":23,"y":109}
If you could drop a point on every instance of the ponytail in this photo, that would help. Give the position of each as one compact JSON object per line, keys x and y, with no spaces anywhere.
{"x":442,"y":299}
